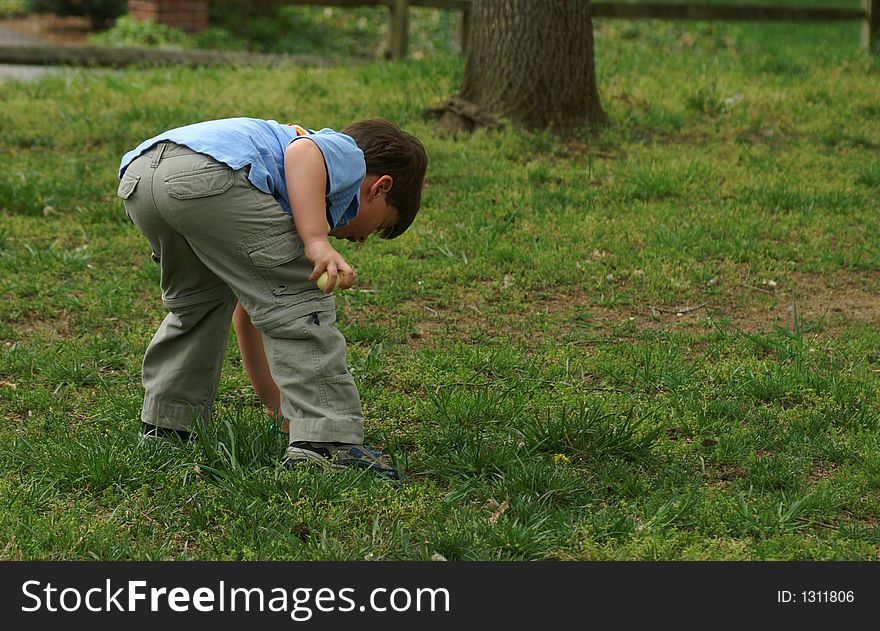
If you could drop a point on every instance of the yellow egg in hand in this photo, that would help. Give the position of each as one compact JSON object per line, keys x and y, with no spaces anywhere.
{"x":322,"y":281}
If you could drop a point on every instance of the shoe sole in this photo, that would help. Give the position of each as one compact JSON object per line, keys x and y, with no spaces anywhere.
{"x":297,"y":455}
{"x":149,"y":441}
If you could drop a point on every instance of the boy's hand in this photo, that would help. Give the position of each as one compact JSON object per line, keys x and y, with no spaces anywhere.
{"x":306,"y":184}
{"x":325,"y":258}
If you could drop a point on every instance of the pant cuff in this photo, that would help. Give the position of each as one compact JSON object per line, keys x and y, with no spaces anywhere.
{"x":346,"y":429}
{"x":175,"y":415}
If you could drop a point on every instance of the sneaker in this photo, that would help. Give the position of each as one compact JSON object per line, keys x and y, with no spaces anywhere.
{"x":338,"y":456}
{"x":151,"y":435}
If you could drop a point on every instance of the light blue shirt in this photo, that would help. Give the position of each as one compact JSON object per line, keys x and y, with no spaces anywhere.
{"x":239,"y":142}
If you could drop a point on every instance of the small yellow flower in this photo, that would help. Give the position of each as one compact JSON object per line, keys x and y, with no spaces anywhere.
{"x":560,"y":459}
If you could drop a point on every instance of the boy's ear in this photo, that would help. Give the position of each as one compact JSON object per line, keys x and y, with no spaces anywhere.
{"x":382,"y":185}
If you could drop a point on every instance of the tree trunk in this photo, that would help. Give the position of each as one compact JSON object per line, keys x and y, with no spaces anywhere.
{"x":530,"y":61}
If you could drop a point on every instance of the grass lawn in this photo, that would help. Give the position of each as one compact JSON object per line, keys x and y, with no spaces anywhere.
{"x":658,"y":343}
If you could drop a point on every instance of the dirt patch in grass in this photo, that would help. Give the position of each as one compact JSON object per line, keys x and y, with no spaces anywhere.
{"x":721,"y":474}
{"x":829,"y":303}
{"x":475,"y":315}
{"x":819,"y":472}
{"x":825,"y":303}
{"x":35,"y":325}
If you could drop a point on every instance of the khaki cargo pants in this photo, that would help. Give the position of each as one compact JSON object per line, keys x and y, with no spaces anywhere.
{"x":220,"y":240}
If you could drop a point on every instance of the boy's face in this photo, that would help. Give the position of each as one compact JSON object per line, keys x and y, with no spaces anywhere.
{"x":374,"y":214}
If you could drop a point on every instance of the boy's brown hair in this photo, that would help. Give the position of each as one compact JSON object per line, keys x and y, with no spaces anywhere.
{"x":390,"y":151}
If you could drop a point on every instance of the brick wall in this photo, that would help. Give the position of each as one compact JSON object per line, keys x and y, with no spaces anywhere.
{"x":189,"y":15}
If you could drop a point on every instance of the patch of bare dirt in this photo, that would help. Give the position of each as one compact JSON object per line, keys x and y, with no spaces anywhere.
{"x":820,"y":472}
{"x":721,"y":474}
{"x":827,"y":303}
{"x":32,"y":324}
{"x":830,"y":303}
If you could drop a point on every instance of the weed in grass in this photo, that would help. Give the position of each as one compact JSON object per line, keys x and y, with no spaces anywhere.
{"x":718,"y":415}
{"x":679,"y":237}
{"x":583,"y":319}
{"x":774,"y":473}
{"x":790,"y":346}
{"x":97,"y":461}
{"x":653,"y":368}
{"x":479,"y":408}
{"x":871,"y":467}
{"x":792,"y":513}
{"x":678,"y":511}
{"x":455,"y":541}
{"x":589,"y":432}
{"x":770,"y":384}
{"x":494,"y":232}
{"x":839,"y":136}
{"x":768,"y":517}
{"x":746,"y":518}
{"x":732,"y":448}
{"x":369,"y":366}
{"x":525,"y":533}
{"x":539,"y":174}
{"x":857,"y":259}
{"x":71,"y":370}
{"x":36,"y":495}
{"x":781,"y":198}
{"x":461,"y":453}
{"x":540,"y":481}
{"x":623,"y":480}
{"x":610,"y":524}
{"x":662,"y":119}
{"x":237,"y":442}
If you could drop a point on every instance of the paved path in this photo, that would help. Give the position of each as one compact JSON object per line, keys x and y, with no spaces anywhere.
{"x":14,"y":71}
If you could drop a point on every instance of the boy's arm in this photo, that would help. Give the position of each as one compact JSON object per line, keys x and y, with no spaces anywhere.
{"x":306,"y":177}
{"x":250,"y":343}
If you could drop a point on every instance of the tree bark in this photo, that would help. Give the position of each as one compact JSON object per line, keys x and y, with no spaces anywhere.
{"x":530,"y":61}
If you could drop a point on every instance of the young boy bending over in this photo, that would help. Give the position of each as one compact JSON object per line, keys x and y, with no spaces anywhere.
{"x":238,"y":212}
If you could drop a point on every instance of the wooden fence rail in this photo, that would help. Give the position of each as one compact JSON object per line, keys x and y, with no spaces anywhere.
{"x":869,"y":14}
{"x":744,"y":13}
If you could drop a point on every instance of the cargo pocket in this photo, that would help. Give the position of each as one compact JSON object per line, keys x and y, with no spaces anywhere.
{"x":271,"y":257}
{"x":340,"y":393}
{"x":336,"y":384}
{"x":206,"y":182}
{"x":128,"y":184}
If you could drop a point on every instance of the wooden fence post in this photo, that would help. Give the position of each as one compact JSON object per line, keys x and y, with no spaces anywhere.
{"x":398,"y":27}
{"x":871,"y":26}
